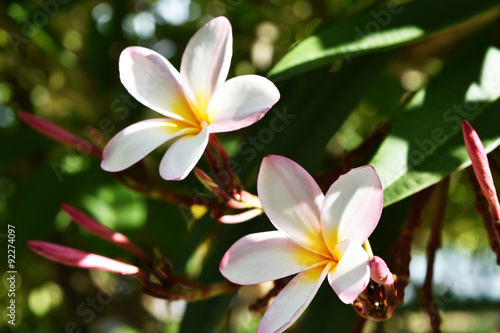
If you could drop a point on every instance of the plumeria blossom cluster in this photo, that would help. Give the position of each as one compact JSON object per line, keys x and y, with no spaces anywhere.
{"x":319,"y":236}
{"x":195,"y":102}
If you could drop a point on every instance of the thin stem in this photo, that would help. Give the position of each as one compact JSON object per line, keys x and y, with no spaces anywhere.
{"x":432,"y":246}
{"x":224,"y":158}
{"x":214,"y":163}
{"x":405,"y":240}
{"x":482,"y":209}
{"x":359,"y":325}
{"x":263,"y":302}
{"x":195,"y":294}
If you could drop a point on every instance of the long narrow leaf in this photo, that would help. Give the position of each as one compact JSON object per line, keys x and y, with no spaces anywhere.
{"x":376,"y":30}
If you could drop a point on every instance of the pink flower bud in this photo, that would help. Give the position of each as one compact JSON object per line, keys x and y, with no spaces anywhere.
{"x":379,"y":272}
{"x":59,"y":134}
{"x":105,"y":233}
{"x":477,"y":154}
{"x":73,"y":257}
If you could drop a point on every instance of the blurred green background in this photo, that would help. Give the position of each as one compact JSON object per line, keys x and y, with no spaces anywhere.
{"x":58,"y":59}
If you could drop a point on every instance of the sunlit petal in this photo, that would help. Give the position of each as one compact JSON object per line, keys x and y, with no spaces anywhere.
{"x":205,"y":62}
{"x":292,"y":199}
{"x":351,"y":274}
{"x":154,"y":82}
{"x":293,"y":300}
{"x":264,"y":257}
{"x":240,"y":102}
{"x":136,"y":141}
{"x":352,"y":207}
{"x":183,"y":155}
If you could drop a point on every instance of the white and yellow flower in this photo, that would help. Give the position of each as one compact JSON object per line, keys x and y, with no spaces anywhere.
{"x":195,"y":102}
{"x":318,"y":236}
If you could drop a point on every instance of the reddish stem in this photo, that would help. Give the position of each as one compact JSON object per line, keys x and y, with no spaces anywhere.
{"x":432,"y":246}
{"x":482,"y":209}
{"x":405,"y":240}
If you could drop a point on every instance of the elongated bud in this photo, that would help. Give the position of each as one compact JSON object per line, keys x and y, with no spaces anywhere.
{"x":379,"y":272}
{"x":73,"y":257}
{"x":238,"y":218}
{"x":477,"y":154}
{"x":59,"y":134}
{"x":103,"y":232}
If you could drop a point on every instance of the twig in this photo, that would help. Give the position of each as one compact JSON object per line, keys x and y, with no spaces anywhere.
{"x":482,"y":209}
{"x":432,"y":246}
{"x":359,"y":325}
{"x":262,"y":302}
{"x":404,"y":243}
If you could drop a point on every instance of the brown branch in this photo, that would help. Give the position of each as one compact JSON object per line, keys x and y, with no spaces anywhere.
{"x":405,"y":240}
{"x":190,"y":295}
{"x":483,"y":210}
{"x":358,"y":325}
{"x":434,"y":243}
{"x":263,"y":302}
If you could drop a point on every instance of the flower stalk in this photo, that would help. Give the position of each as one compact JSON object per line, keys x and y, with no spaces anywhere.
{"x":434,"y":243}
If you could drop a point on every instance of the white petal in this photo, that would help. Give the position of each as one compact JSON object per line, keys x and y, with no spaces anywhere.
{"x":136,"y":141}
{"x":352,"y":207}
{"x":265,"y":256}
{"x":293,"y":300}
{"x":352,"y":273}
{"x":205,"y":62}
{"x":292,"y":200}
{"x":154,"y":82}
{"x":183,"y":155}
{"x":240,"y":102}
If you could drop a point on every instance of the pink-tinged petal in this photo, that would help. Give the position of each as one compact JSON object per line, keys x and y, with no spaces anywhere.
{"x":481,"y":167}
{"x":352,"y":273}
{"x":265,"y":256}
{"x":293,"y":300}
{"x":352,"y":207}
{"x":240,"y":102}
{"x":136,"y":141}
{"x":205,"y":62}
{"x":73,"y":257}
{"x":379,"y":272}
{"x":183,"y":155}
{"x":154,"y":82}
{"x":100,"y":230}
{"x":292,"y":200}
{"x":59,"y":134}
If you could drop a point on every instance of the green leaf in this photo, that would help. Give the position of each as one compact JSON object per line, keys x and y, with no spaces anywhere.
{"x":312,"y":109}
{"x":425,"y":143}
{"x":374,"y":31}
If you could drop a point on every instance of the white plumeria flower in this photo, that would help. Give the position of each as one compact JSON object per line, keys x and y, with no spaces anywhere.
{"x":318,"y":236}
{"x":196,"y":102}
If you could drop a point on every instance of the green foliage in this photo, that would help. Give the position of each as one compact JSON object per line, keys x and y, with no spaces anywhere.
{"x":425,"y":142}
{"x":375,"y":30}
